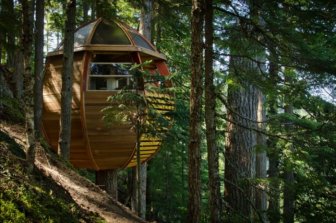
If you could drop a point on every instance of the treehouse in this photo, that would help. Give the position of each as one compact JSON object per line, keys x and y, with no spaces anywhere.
{"x":104,"y":51}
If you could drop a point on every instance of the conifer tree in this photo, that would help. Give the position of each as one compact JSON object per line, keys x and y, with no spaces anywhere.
{"x":39,"y":43}
{"x":210,"y":110}
{"x":26,"y":45}
{"x":66,"y":92}
{"x":196,"y":90}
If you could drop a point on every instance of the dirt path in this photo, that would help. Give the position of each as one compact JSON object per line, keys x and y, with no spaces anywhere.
{"x":86,"y":194}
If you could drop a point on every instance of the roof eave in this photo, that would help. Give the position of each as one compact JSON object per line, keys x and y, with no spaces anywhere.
{"x":113,"y":48}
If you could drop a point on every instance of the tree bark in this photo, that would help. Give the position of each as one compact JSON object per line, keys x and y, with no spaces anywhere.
{"x":239,"y":151}
{"x":196,"y":90}
{"x":132,"y":188}
{"x":273,"y":153}
{"x":66,"y":92}
{"x":261,"y":160}
{"x":210,"y":110}
{"x":146,"y":30}
{"x":39,"y":43}
{"x":146,"y":19}
{"x":11,"y":35}
{"x":108,"y":181}
{"x":240,"y":156}
{"x":18,"y":74}
{"x":28,"y":81}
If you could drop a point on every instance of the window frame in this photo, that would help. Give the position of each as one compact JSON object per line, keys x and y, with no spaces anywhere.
{"x":129,"y":78}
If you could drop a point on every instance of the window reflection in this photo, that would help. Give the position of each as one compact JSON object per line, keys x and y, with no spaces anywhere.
{"x":110,"y":76}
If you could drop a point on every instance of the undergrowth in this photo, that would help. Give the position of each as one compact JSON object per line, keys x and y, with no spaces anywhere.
{"x":32,"y":197}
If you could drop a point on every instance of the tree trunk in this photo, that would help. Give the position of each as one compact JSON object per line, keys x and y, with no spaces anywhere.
{"x":261,"y":160}
{"x":210,"y":110}
{"x":289,"y":192}
{"x":93,"y":10}
{"x":242,"y":103}
{"x":132,"y":188}
{"x":157,"y":25}
{"x":1,"y":45}
{"x":11,"y":35}
{"x":28,"y":81}
{"x":86,"y":8}
{"x":196,"y":90}
{"x":239,"y":151}
{"x":66,"y":92}
{"x":273,"y":153}
{"x":18,"y":74}
{"x":108,"y":181}
{"x":39,"y":43}
{"x":138,"y":166}
{"x":146,"y":30}
{"x":143,"y":189}
{"x":146,"y":19}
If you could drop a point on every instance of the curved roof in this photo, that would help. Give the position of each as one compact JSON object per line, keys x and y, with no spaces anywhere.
{"x":104,"y":35}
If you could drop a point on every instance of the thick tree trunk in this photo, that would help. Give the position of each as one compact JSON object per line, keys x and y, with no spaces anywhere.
{"x":28,"y":81}
{"x":210,"y":110}
{"x":196,"y":90}
{"x":66,"y":92}
{"x":39,"y":43}
{"x":239,"y":152}
{"x":261,"y":160}
{"x":241,"y":139}
{"x":108,"y":181}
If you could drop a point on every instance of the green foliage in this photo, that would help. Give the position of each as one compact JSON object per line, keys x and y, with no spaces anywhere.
{"x":33,"y":197}
{"x":135,"y":108}
{"x":9,"y":212}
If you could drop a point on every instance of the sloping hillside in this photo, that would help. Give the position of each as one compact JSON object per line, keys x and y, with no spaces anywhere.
{"x":54,"y":192}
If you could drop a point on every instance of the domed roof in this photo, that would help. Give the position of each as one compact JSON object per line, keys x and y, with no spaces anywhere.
{"x":104,"y":35}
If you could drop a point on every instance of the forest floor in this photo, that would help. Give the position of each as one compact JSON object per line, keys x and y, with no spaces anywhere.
{"x":89,"y":197}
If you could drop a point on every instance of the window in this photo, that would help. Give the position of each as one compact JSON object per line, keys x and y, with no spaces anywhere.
{"x":109,"y":33}
{"x":110,"y":76}
{"x":82,"y":34}
{"x":140,"y":41}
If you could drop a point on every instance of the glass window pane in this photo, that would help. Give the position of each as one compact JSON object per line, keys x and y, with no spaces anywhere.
{"x":139,"y":41}
{"x":82,"y":34}
{"x":110,"y":76}
{"x":109,"y":33}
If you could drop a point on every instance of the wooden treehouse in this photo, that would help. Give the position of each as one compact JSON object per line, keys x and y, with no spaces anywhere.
{"x":103,"y":53}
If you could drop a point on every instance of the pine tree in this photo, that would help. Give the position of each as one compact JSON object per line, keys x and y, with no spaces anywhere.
{"x":26,"y":44}
{"x":210,"y":110}
{"x":196,"y":90}
{"x":66,"y":92}
{"x":39,"y":43}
